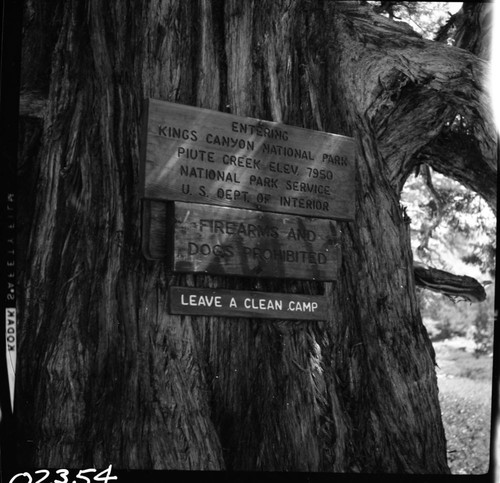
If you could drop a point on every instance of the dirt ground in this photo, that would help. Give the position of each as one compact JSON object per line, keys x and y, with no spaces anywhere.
{"x":465,"y":391}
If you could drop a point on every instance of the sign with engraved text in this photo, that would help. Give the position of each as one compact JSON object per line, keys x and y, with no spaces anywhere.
{"x":209,"y":157}
{"x":230,"y":241}
{"x":239,"y":303}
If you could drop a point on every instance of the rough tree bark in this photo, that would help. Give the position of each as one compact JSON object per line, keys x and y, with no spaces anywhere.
{"x":106,"y":374}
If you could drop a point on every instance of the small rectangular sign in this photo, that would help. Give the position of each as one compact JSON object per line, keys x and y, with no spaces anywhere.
{"x":230,"y":241}
{"x":239,"y":303}
{"x":202,"y":156}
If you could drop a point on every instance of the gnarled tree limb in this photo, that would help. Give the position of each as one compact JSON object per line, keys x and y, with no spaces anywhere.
{"x":411,"y":91}
{"x":455,"y":287}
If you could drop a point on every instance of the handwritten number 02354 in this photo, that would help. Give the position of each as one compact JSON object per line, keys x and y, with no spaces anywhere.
{"x":103,"y":476}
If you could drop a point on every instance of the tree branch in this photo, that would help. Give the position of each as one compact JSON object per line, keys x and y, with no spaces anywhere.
{"x":474,"y":28}
{"x":455,"y":287}
{"x":411,"y":91}
{"x":427,"y":230}
{"x":458,"y":157}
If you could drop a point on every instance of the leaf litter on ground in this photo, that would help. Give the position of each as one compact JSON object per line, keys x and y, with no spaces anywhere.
{"x":465,"y":391}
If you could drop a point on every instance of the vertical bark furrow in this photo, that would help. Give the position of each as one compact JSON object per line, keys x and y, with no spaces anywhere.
{"x":209,"y":88}
{"x":239,"y":43}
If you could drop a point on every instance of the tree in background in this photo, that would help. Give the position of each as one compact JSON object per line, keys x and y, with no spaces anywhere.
{"x":106,"y":374}
{"x":450,"y":224}
{"x":427,"y":18}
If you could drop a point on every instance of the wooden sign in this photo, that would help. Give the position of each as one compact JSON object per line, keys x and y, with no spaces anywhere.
{"x":236,"y":303}
{"x":229,"y":241}
{"x":209,"y":157}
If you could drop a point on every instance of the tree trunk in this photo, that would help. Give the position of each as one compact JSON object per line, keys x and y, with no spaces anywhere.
{"x":106,"y":374}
